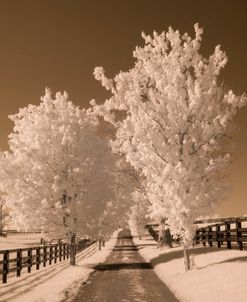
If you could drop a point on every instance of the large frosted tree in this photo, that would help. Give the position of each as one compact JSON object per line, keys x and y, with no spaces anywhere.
{"x":174,"y":122}
{"x":58,"y":173}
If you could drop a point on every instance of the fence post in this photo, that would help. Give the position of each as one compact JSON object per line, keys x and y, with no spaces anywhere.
{"x":239,"y":234}
{"x":197,"y":236}
{"x":204,"y":237}
{"x":29,"y":260}
{"x":44,"y":256}
{"x":18,"y":262}
{"x":72,"y":250}
{"x":68,"y":250}
{"x":218,"y":239}
{"x":64,"y":251}
{"x":37,"y":258}
{"x":228,"y":234}
{"x":210,"y":241}
{"x":55,"y":256}
{"x":50,"y":254}
{"x":99,"y":244}
{"x":60,"y":252}
{"x":5,"y":265}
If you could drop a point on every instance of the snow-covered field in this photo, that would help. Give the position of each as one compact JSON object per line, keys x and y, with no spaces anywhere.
{"x":13,"y":241}
{"x":56,"y":282}
{"x":219,"y":275}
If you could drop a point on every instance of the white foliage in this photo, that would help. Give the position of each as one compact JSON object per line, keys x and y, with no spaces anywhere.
{"x":58,"y":173}
{"x":174,"y":125}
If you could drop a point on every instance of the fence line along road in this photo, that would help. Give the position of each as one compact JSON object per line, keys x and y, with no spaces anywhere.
{"x":14,"y":260}
{"x":229,"y":232}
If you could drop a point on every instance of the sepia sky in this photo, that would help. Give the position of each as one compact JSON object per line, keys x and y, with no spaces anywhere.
{"x":57,"y":43}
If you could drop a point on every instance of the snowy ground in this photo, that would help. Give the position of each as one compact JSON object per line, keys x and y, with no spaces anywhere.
{"x":219,"y":275}
{"x":58,"y":282}
{"x":13,"y":241}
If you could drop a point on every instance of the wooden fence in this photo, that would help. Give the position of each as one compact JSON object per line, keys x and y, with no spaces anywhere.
{"x":15,"y":260}
{"x":226,"y":232}
{"x":230,"y":233}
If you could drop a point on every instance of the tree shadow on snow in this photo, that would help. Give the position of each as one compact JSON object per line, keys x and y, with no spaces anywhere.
{"x":172,"y":255}
{"x":122,"y":266}
{"x":231,"y":260}
{"x":141,"y":246}
{"x":118,"y":248}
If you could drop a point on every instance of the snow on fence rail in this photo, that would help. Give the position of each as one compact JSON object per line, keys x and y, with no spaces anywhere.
{"x":14,"y":260}
{"x":223,"y":219}
{"x":229,"y":231}
{"x":4,"y":233}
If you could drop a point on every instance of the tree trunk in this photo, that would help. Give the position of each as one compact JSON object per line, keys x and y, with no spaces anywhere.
{"x":1,"y":219}
{"x":165,"y":238}
{"x":187,"y":263}
{"x":72,"y":249}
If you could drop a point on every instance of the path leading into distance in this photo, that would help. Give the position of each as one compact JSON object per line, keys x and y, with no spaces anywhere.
{"x":124,"y":277}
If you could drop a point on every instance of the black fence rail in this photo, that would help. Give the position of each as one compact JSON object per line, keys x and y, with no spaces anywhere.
{"x":228,"y":232}
{"x":15,"y":260}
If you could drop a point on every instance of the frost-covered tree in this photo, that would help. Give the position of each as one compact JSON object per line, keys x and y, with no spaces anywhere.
{"x":173,"y":124}
{"x":58,"y":173}
{"x":132,"y":189}
{"x":128,"y":183}
{"x":3,"y":215}
{"x":140,"y":214}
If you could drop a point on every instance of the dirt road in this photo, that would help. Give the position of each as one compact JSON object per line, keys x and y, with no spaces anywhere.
{"x":124,"y":277}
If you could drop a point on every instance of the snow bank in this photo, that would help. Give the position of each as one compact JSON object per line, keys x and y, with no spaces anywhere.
{"x":57,"y":282}
{"x":219,"y":275}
